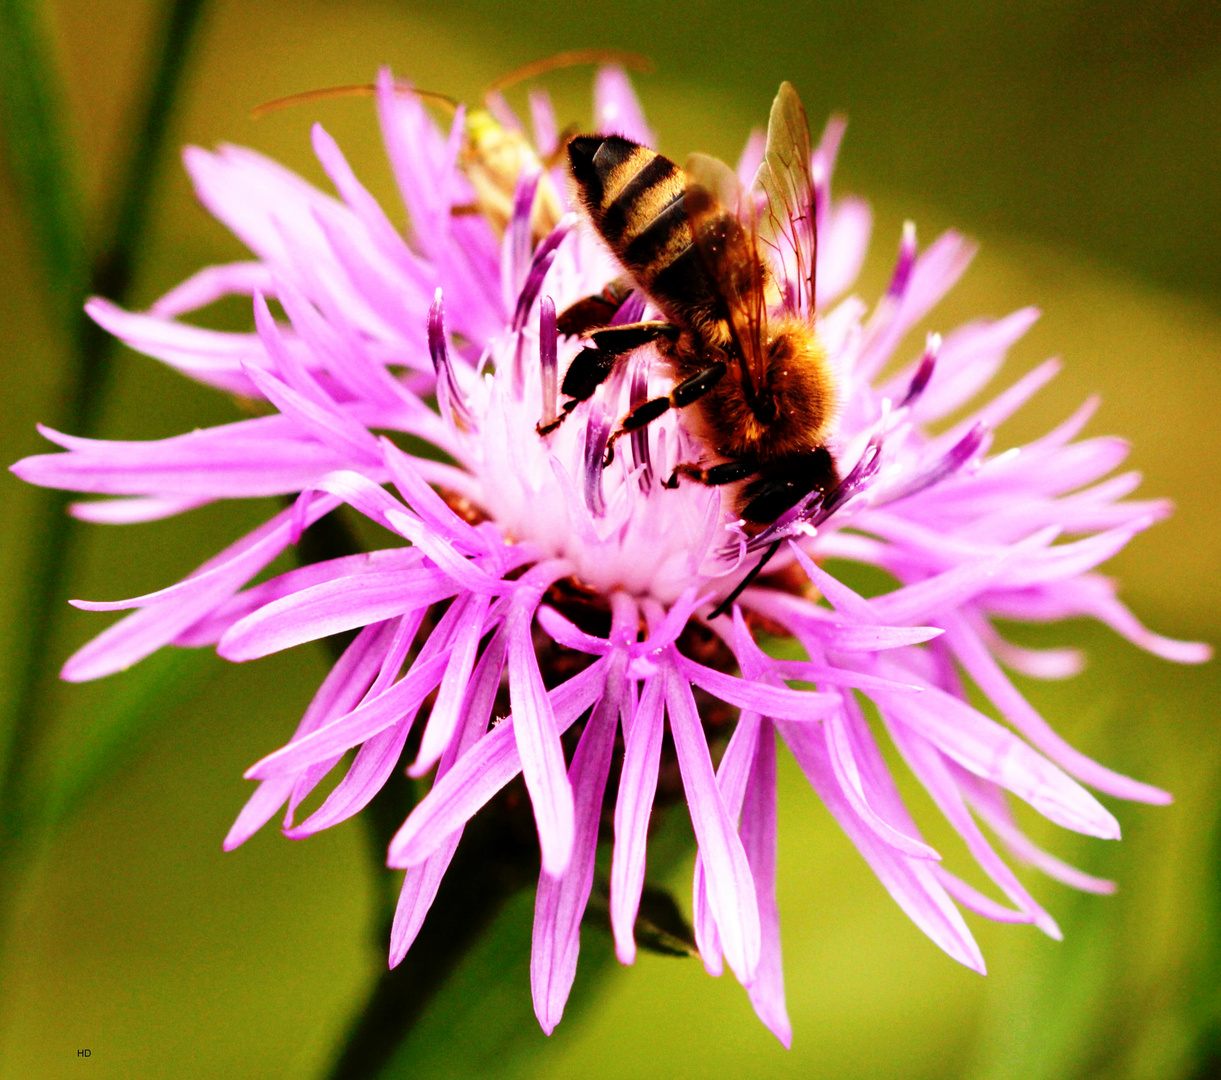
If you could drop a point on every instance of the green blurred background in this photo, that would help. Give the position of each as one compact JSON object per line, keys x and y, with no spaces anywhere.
{"x":1080,"y":141}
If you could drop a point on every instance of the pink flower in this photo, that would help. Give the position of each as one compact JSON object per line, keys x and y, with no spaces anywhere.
{"x":528,"y":542}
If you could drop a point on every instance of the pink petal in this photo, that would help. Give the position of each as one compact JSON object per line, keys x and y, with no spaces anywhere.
{"x":210,"y":284}
{"x":340,"y":691}
{"x":538,"y":740}
{"x":171,"y":611}
{"x":758,"y":831}
{"x":568,"y":634}
{"x":910,"y":882}
{"x":249,"y":459}
{"x":274,"y":211}
{"x":840,"y":596}
{"x":422,"y":881}
{"x":843,"y":241}
{"x":213,"y":357}
{"x":968,"y":359}
{"x":633,"y":807}
{"x":616,"y":110}
{"x":975,"y":658}
{"x":131,"y":511}
{"x":731,"y":776}
{"x":972,"y":899}
{"x":775,"y":701}
{"x":484,"y":770}
{"x":376,"y":759}
{"x":368,"y":773}
{"x":751,"y":157}
{"x":446,"y":712}
{"x":560,"y":901}
{"x":1004,"y":405}
{"x":988,"y":750}
{"x":383,"y":234}
{"x":1095,"y":596}
{"x":852,"y":784}
{"x":938,"y":779}
{"x":388,"y":660}
{"x":366,"y":720}
{"x":332,"y":607}
{"x":992,"y":809}
{"x":461,"y":570}
{"x":430,"y":507}
{"x":934,"y":273}
{"x":731,"y":890}
{"x":210,"y":629}
{"x":542,"y":119}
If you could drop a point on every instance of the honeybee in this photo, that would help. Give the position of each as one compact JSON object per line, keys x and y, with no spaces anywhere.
{"x":749,"y":370}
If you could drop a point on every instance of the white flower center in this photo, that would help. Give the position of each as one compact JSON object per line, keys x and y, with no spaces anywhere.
{"x":619,"y":526}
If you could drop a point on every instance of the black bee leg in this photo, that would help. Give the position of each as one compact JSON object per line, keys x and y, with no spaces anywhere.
{"x":591,"y":311}
{"x":546,"y":429}
{"x":690,"y":389}
{"x":585,"y":374}
{"x":591,"y":367}
{"x":728,"y":473}
{"x":629,"y":336}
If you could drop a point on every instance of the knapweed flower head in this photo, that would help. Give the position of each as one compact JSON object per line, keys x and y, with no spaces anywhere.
{"x":547,"y":611}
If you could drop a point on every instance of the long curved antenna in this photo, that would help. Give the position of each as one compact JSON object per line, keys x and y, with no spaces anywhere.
{"x":351,"y":90}
{"x":572,"y":58}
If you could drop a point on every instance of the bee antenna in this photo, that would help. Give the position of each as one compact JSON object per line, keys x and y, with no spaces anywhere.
{"x":572,"y":58}
{"x":350,"y":90}
{"x":745,"y":583}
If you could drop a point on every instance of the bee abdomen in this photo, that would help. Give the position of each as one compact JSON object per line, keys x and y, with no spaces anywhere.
{"x":648,"y":194}
{"x":634,"y":198}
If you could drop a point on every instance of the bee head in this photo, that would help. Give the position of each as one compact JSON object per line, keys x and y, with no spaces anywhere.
{"x":581,"y":150}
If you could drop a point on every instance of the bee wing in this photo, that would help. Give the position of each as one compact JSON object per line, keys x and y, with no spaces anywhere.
{"x":724,"y":231}
{"x":787,"y":219}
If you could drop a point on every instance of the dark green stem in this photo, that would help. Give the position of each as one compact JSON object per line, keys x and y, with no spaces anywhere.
{"x":491,"y":864}
{"x":41,"y":165}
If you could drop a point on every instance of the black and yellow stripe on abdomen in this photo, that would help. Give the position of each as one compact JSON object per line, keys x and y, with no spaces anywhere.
{"x":634,"y":197}
{"x":656,"y":183}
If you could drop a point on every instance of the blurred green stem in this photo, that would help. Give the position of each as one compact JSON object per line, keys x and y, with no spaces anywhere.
{"x":489,"y":867}
{"x":44,"y":169}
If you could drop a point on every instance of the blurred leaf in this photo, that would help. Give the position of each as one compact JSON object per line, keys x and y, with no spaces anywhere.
{"x":132,"y":199}
{"x":117,"y":732}
{"x":49,"y":189}
{"x":40,"y":155}
{"x":46,"y":179}
{"x":1207,"y":1003}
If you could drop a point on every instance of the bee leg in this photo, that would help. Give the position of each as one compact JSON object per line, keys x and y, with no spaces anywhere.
{"x":591,"y":367}
{"x":728,"y":473}
{"x":597,"y":310}
{"x":690,"y":389}
{"x":629,"y":336}
{"x":585,"y":374}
